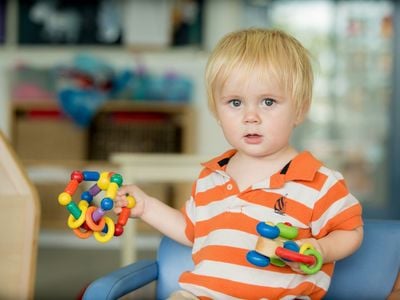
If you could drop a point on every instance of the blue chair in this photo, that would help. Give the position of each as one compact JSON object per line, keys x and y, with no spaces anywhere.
{"x":368,"y":274}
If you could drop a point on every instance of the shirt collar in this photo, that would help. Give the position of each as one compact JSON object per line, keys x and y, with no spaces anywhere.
{"x":302,"y":167}
{"x":219,"y":163}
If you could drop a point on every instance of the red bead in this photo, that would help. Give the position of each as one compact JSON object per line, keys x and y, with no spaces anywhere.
{"x":118,"y":230}
{"x":85,"y":226}
{"x":77,"y":175}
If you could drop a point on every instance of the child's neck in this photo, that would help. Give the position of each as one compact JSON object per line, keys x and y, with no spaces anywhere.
{"x":248,"y":170}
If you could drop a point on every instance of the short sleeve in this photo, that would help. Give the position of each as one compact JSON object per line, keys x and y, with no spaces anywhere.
{"x":336,"y":208}
{"x":188,"y":211}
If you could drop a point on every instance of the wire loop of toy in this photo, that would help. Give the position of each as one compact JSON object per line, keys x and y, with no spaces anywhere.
{"x":86,"y":218}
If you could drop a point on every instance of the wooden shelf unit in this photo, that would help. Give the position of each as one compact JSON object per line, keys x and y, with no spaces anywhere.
{"x":180,"y":113}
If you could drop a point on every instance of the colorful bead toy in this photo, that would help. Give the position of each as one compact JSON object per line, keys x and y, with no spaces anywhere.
{"x":275,"y":246}
{"x":84,"y":218}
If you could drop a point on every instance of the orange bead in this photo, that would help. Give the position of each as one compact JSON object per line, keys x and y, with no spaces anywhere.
{"x":72,"y":187}
{"x":124,"y":216}
{"x":82,"y":233}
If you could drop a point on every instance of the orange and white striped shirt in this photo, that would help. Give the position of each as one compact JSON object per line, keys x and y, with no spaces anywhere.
{"x":221,"y":223}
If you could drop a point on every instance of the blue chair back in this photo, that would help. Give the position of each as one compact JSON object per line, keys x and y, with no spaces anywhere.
{"x":371,"y":271}
{"x":367,"y":274}
{"x":173,"y":259}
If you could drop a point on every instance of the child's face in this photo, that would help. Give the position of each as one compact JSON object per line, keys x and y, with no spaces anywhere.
{"x":256,"y":115}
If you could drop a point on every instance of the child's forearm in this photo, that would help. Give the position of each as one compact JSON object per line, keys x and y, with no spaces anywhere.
{"x":169,"y":221}
{"x":340,"y":244}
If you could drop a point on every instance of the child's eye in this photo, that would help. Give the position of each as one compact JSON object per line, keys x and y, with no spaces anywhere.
{"x":268,"y":101}
{"x":235,"y":102}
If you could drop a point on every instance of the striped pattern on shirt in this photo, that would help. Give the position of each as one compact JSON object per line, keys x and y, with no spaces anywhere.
{"x":221,"y":223}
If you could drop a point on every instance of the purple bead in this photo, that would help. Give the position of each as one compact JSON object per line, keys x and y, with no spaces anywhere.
{"x":94,"y":190}
{"x":97,"y":214}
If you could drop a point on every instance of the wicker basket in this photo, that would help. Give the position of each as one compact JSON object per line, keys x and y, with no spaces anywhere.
{"x":133,"y":132}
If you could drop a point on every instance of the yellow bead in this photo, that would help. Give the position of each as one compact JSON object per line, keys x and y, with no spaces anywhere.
{"x":305,"y":247}
{"x":112,"y":190}
{"x":64,"y":198}
{"x":83,"y":204}
{"x":131,"y":202}
{"x":103,"y":181}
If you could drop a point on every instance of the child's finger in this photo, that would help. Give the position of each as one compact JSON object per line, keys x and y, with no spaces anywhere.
{"x":117,"y":210}
{"x":122,"y":191}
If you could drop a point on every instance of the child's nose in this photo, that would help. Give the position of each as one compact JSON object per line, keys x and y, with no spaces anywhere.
{"x":251,"y":116}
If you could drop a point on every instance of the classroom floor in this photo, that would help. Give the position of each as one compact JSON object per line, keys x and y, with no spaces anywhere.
{"x":64,"y":272}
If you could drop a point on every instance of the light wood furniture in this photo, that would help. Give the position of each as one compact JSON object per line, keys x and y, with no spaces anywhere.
{"x":51,"y":146}
{"x":41,"y":133}
{"x":152,"y":168}
{"x":19,"y":223}
{"x":60,"y":147}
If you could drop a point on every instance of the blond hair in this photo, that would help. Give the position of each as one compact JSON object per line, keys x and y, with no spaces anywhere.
{"x":273,"y":53}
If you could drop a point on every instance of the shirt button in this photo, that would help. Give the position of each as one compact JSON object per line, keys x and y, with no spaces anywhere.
{"x":229,"y":187}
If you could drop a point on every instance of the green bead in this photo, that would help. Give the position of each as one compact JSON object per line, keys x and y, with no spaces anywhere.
{"x":74,"y":210}
{"x":277,"y":262}
{"x":287,"y":232}
{"x":117,"y":178}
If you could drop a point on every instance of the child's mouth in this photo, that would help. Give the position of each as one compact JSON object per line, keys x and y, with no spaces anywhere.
{"x":253,"y":138}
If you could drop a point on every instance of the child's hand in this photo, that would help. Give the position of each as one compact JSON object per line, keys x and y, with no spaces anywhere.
{"x":296,"y":266}
{"x":139,"y":196}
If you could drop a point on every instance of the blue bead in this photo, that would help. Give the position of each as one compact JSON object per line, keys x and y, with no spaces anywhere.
{"x":257,"y":259}
{"x":91,"y":175}
{"x":86,"y":196}
{"x":268,"y":231}
{"x":107,"y":203}
{"x":105,"y":229}
{"x":291,"y":245}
